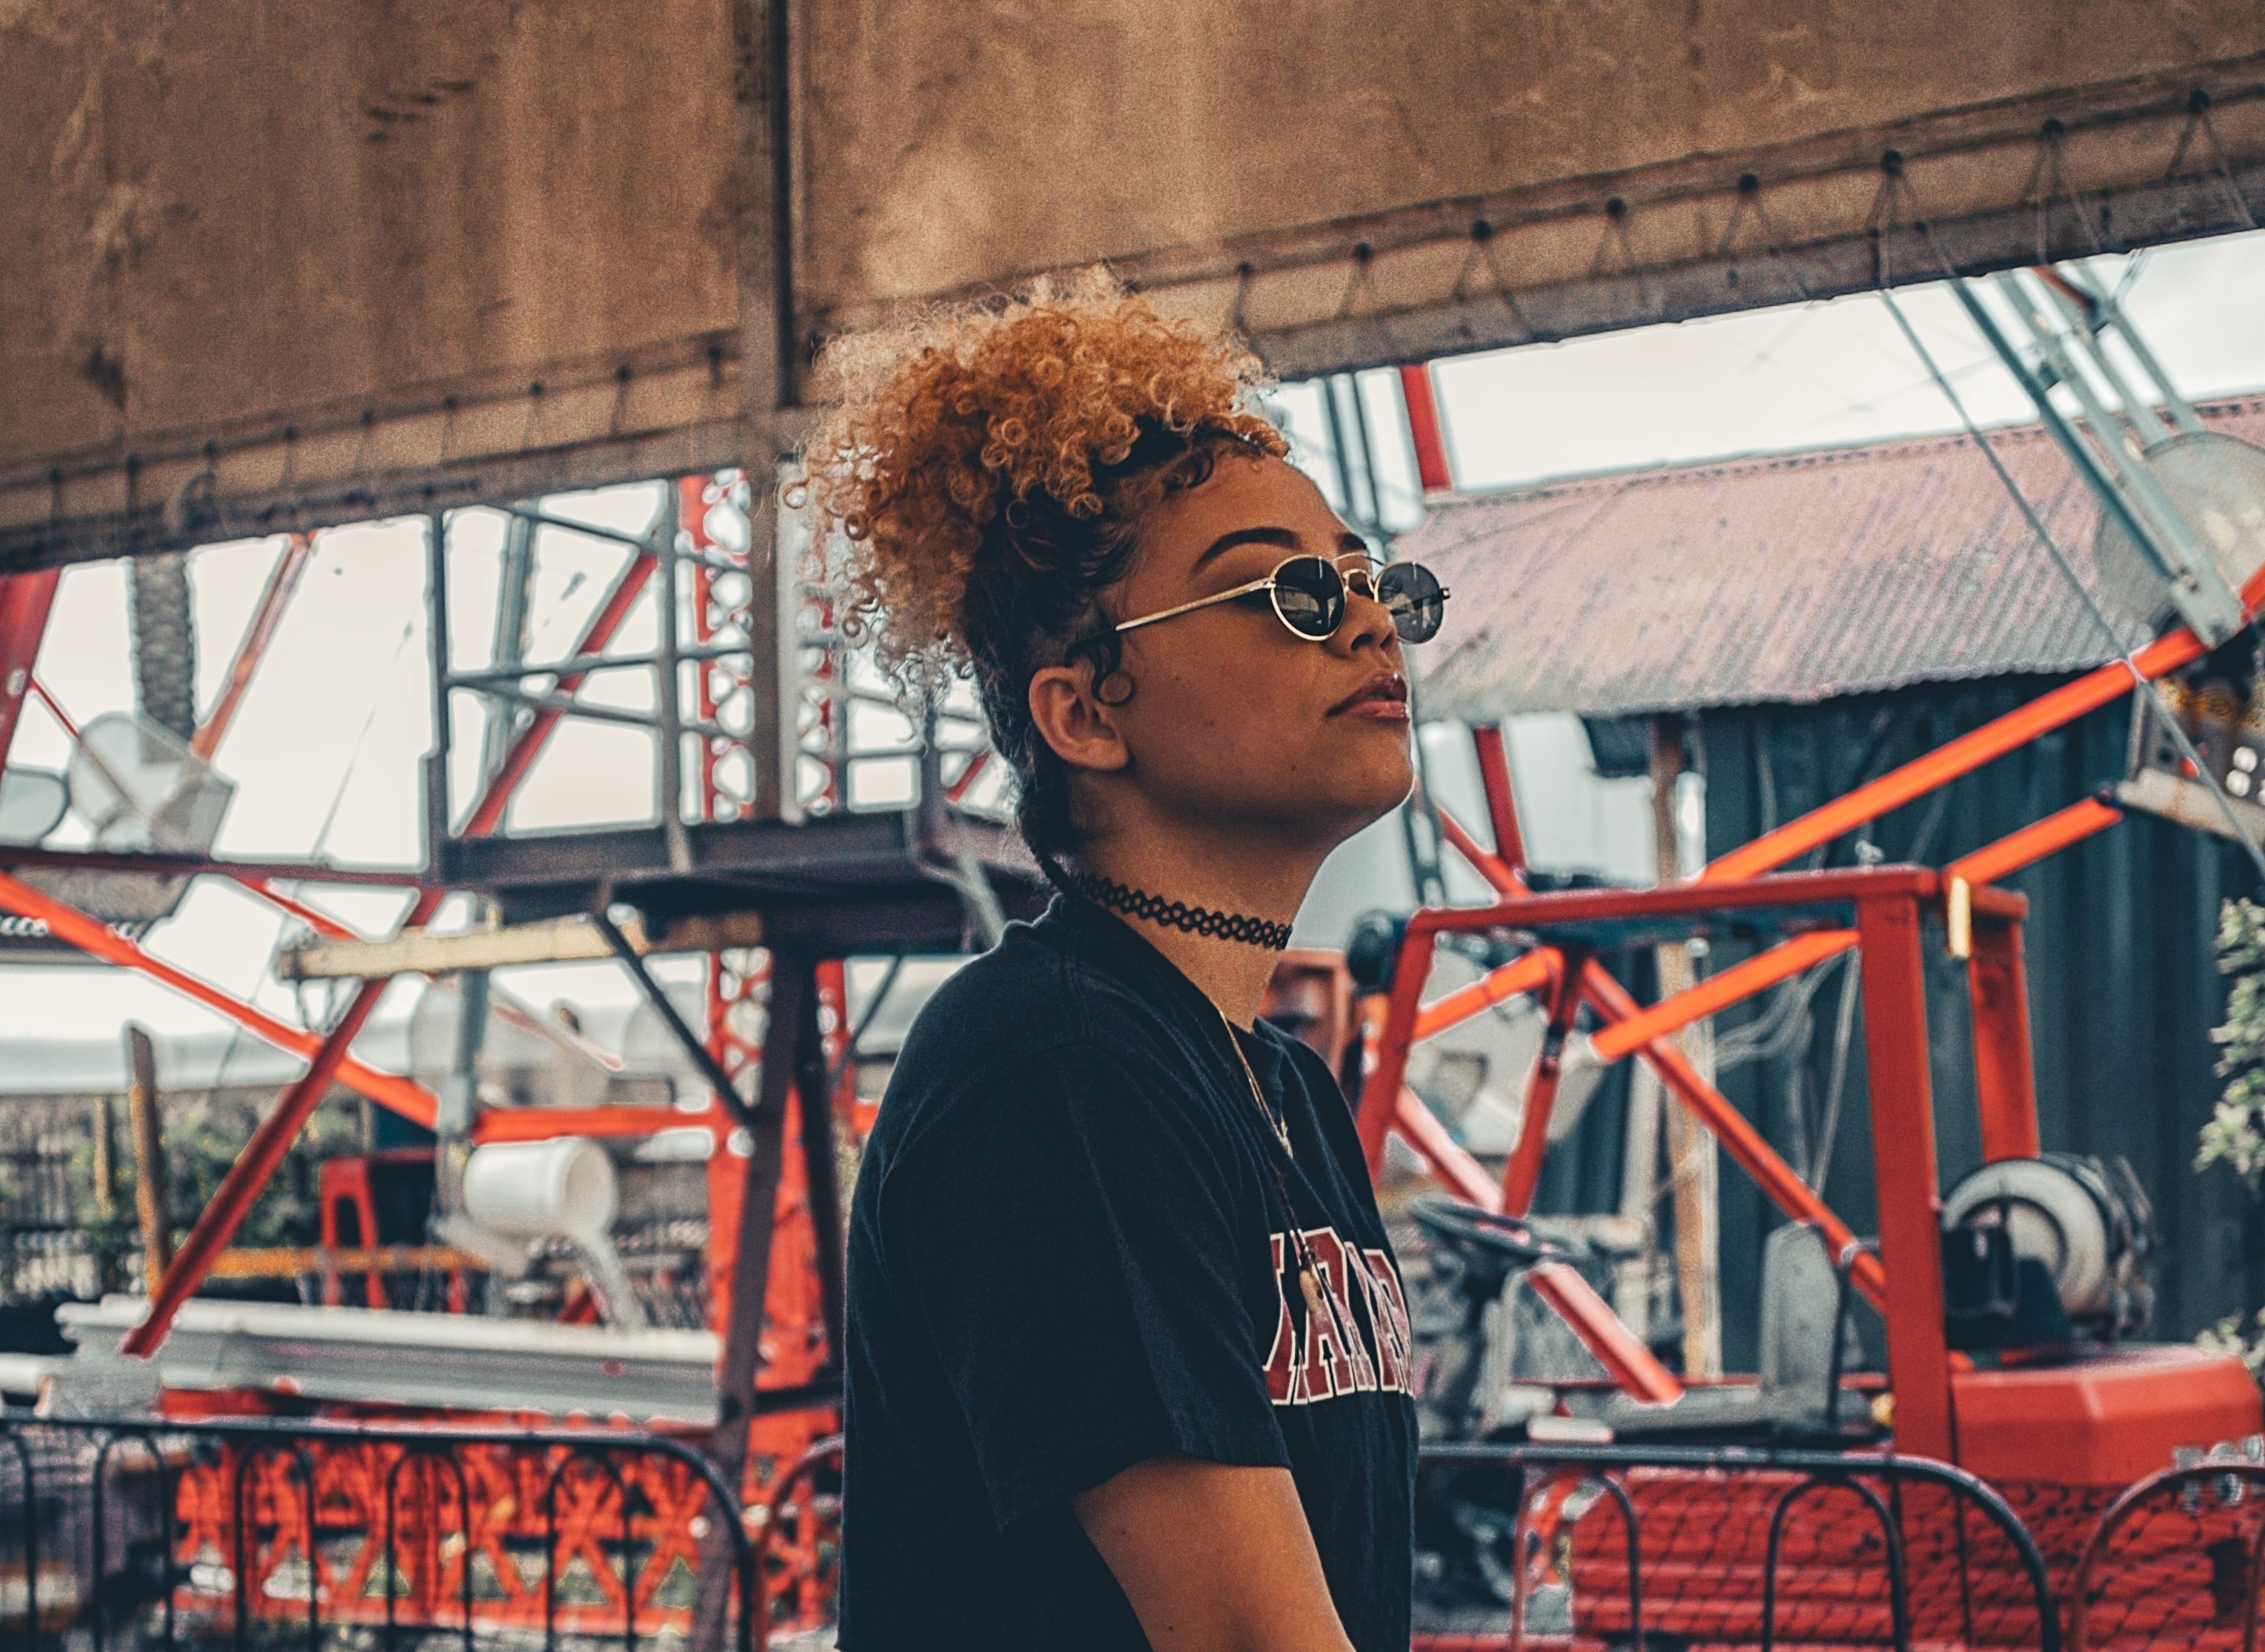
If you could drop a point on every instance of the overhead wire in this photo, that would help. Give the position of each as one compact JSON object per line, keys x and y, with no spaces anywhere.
{"x":2060,"y":560}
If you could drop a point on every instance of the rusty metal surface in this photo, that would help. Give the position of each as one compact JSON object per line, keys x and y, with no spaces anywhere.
{"x":1357,"y":183}
{"x":1789,"y":579}
{"x":375,"y":227}
{"x":267,"y":267}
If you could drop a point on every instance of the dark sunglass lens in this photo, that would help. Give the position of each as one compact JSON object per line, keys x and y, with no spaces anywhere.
{"x":1412,"y":596}
{"x":1309,"y":595}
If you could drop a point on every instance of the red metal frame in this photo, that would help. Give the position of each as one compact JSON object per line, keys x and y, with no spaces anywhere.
{"x":271,"y":1138}
{"x":25,"y":600}
{"x":1905,"y":1280}
{"x":1903,"y":1172}
{"x":1524,"y":1171}
{"x":1618,"y":1349}
{"x":1425,"y":429}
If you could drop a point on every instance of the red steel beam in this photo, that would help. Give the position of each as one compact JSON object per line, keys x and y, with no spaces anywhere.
{"x":2034,"y":842}
{"x":540,"y":1124}
{"x":1407,"y":1020}
{"x":2005,"y":1070}
{"x":217,"y":1223}
{"x":1483,"y":861}
{"x":1618,"y":1349}
{"x":488,"y":814}
{"x":25,"y":601}
{"x":1962,"y":756}
{"x":1739,"y":1139}
{"x":231,"y":1202}
{"x":1497,"y":985}
{"x":1425,"y":432}
{"x":1463,"y":1176}
{"x":1501,"y":799}
{"x":68,"y":924}
{"x":1384,"y":1066}
{"x":282,"y":580}
{"x":1522,"y":1174}
{"x":1740,"y":981}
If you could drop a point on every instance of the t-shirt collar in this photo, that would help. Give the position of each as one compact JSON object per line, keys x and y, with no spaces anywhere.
{"x":1136,"y":953}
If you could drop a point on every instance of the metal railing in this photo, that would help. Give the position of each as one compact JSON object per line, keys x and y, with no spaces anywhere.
{"x":2176,"y":1561}
{"x":184,"y":1531}
{"x":1661,"y":1548}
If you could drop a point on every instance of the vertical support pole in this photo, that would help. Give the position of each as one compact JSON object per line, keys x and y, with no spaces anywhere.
{"x":1903,"y":1170}
{"x":102,"y":1127}
{"x":150,"y":1176}
{"x":436,"y":638}
{"x":1523,"y":1173}
{"x":514,"y":597}
{"x":1501,"y":797}
{"x":1426,"y":432}
{"x":793,"y":1015}
{"x":458,"y":1096}
{"x":769,"y":343}
{"x":2005,"y":1073}
{"x":668,"y":690}
{"x":822,"y":1169}
{"x":1694,"y":1163}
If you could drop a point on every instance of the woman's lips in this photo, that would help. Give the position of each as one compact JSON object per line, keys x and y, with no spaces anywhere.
{"x":1382,"y":698}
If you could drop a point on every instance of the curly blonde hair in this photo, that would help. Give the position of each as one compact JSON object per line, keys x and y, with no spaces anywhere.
{"x":984,"y":473}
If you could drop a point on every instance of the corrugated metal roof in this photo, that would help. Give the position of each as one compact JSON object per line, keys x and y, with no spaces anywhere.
{"x":1790,"y":578}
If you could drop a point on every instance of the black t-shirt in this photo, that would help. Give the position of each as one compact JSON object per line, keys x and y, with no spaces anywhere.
{"x":1068,"y":1255}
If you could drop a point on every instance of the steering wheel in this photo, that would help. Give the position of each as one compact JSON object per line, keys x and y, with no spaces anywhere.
{"x":1505,"y":1235}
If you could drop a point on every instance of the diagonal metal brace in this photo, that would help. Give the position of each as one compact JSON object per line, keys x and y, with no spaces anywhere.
{"x":703,"y":1057}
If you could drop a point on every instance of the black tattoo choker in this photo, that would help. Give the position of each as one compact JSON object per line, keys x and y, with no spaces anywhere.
{"x":1227,"y":925}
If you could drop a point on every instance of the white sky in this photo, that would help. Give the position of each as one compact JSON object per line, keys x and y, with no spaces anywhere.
{"x":326,"y":754}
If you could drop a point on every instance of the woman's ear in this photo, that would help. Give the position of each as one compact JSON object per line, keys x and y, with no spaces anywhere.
{"x":1073,"y":721}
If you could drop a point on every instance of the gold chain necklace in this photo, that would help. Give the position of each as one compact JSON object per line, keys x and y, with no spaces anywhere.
{"x":1309,"y":1282}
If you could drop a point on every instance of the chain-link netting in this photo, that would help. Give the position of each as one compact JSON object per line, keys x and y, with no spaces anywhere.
{"x":2175,"y":1564}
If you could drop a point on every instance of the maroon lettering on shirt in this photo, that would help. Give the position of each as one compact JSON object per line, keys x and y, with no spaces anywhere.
{"x":1357,"y":1343}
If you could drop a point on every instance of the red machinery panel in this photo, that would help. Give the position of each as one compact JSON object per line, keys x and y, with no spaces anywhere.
{"x":2107,"y":1420}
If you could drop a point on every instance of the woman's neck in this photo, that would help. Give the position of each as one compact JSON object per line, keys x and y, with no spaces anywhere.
{"x":1233,"y":974}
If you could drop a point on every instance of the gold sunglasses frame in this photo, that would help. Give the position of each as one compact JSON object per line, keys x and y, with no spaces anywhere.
{"x":1252,"y":587}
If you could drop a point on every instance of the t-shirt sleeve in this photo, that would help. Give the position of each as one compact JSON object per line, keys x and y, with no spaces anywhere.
{"x":1070,"y":1236}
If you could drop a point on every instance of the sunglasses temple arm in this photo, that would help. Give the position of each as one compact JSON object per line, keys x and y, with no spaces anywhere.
{"x":1266,"y":583}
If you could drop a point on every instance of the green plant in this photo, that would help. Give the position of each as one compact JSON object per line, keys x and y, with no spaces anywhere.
{"x":2225,"y":1337}
{"x":202,"y":1139}
{"x":2235,"y":1134}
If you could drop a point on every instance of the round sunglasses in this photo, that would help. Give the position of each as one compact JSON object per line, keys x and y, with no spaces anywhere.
{"x":1309,"y":594}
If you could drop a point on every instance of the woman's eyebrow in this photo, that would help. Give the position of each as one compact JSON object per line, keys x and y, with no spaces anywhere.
{"x":1281,"y":537}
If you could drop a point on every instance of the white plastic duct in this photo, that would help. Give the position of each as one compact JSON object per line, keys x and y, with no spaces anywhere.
{"x":538,"y":1189}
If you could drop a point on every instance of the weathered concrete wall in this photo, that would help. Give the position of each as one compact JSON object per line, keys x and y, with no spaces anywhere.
{"x":949,"y":144}
{"x":224,"y":213}
{"x":266,"y":263}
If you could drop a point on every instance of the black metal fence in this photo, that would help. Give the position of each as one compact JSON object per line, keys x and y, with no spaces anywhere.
{"x":244,"y":1532}
{"x":183,"y":1532}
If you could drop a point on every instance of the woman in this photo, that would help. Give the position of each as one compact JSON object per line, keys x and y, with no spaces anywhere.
{"x":1126,"y":1361}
